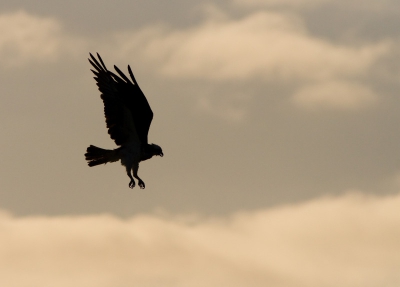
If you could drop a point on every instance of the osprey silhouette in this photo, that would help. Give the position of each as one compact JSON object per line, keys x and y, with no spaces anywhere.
{"x":128,"y":118}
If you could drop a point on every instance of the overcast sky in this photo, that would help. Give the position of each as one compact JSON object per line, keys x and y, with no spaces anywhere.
{"x":279,"y":122}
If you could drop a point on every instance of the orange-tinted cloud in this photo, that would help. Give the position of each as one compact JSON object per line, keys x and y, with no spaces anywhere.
{"x":280,"y":3}
{"x":26,"y":38}
{"x":352,"y":241}
{"x":340,"y":95}
{"x":270,"y":45}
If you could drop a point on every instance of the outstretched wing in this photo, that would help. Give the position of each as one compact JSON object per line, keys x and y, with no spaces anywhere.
{"x":127,"y":112}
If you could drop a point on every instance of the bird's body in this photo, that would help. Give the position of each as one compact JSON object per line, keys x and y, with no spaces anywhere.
{"x":128,"y":118}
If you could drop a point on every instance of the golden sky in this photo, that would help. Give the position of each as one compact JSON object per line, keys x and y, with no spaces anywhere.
{"x":279,"y":125}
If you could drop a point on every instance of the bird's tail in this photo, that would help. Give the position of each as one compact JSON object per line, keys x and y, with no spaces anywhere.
{"x":95,"y":155}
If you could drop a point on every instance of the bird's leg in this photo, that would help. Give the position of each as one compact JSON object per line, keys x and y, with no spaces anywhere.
{"x":132,"y":183}
{"x":135,"y":169}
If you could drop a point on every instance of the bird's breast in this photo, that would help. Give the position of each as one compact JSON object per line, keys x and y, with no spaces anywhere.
{"x":130,"y":154}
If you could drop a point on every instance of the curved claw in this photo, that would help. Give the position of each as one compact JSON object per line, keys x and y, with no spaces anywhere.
{"x":141,"y":184}
{"x":132,"y":184}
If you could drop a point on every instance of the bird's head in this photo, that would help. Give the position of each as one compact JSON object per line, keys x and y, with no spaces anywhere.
{"x":156,"y":150}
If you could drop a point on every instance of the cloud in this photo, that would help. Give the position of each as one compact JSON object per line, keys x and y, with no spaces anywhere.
{"x":267,"y":45}
{"x":280,"y":3}
{"x":340,"y":95}
{"x":307,"y":244}
{"x":232,"y":110}
{"x":28,"y":38}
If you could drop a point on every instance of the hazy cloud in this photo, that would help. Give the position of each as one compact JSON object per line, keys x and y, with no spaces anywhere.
{"x":280,"y":3}
{"x":334,"y":95}
{"x":306,"y":244}
{"x":230,"y":109}
{"x":264,"y":44}
{"x":270,"y":46}
{"x":25,"y":38}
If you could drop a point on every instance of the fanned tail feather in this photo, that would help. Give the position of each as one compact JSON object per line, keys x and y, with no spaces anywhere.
{"x":95,"y":155}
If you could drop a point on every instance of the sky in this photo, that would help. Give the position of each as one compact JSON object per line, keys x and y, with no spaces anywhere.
{"x":279,"y":126}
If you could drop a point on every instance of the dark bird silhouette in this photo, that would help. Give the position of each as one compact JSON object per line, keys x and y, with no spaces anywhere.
{"x":128,"y":118}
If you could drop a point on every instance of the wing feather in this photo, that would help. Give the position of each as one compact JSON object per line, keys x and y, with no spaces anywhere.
{"x":122,"y":75}
{"x":101,"y":61}
{"x":133,"y":98}
{"x":132,"y":76}
{"x":118,"y":92}
{"x":139,"y":106}
{"x":119,"y":121}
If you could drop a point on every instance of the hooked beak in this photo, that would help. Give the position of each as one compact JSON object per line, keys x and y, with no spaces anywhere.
{"x":161,"y":154}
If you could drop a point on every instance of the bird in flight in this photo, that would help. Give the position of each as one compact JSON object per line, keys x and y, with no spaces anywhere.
{"x":128,"y":118}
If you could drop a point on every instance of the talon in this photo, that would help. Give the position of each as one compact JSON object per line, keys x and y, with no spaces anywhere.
{"x":132,"y":184}
{"x":141,"y":184}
